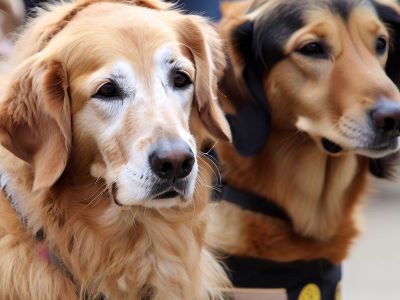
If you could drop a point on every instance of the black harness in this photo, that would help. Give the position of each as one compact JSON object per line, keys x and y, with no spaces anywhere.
{"x":317,"y":279}
{"x":251,"y":202}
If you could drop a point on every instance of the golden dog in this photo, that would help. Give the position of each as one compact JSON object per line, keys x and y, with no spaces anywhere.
{"x":311,"y":111}
{"x":106,"y":106}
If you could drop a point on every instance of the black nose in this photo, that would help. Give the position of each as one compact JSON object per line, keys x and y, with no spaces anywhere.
{"x":172,"y":159}
{"x":386,"y":117}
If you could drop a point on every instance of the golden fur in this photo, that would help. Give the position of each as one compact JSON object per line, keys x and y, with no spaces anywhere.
{"x":11,"y":17}
{"x":308,"y":100}
{"x":57,"y":160}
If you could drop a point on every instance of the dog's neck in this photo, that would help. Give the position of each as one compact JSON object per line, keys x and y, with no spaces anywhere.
{"x":113,"y":250}
{"x":317,"y":190}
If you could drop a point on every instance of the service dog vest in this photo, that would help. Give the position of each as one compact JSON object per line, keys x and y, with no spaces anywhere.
{"x":302,"y":280}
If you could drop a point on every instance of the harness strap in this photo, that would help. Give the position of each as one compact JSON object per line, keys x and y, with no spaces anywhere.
{"x":297,"y":277}
{"x":251,"y":202}
{"x":316,"y":279}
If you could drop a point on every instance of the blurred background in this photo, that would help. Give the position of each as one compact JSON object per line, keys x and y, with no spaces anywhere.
{"x":372,"y":271}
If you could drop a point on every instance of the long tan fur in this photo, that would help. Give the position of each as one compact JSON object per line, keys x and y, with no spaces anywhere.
{"x":50,"y":163}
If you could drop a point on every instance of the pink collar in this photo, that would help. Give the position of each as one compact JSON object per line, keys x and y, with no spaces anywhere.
{"x":44,"y":252}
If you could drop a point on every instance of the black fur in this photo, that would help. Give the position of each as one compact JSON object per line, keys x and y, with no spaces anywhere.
{"x":260,"y":46}
{"x":384,"y":168}
{"x":250,"y":126}
{"x":392,"y":19}
{"x":272,"y":30}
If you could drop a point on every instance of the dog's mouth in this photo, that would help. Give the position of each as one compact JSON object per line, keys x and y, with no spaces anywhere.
{"x":378,"y":147}
{"x":330,"y":146}
{"x":168,"y":195}
{"x":168,"y":190}
{"x":381,"y":149}
{"x":160,"y":193}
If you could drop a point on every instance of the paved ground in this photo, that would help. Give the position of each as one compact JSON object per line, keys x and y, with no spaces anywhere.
{"x":372,"y":271}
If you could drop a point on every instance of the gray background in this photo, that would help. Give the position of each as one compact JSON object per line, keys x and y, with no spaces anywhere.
{"x":372,"y":271}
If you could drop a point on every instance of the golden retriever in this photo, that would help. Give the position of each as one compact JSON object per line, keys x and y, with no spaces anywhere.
{"x":311,"y":110}
{"x":104,"y":108}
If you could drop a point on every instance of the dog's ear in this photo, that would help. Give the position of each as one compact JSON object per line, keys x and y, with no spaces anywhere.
{"x":384,"y":168}
{"x":35,"y":119}
{"x":243,"y":85}
{"x":206,"y":49}
{"x":391,"y":17}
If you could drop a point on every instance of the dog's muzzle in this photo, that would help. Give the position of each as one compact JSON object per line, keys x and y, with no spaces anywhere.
{"x":171,"y":161}
{"x":383,"y":130}
{"x":386,"y":118}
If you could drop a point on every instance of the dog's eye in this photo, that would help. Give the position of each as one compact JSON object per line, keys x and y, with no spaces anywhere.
{"x":313,"y":49}
{"x":381,"y":45}
{"x":181,"y":80}
{"x":107,"y":90}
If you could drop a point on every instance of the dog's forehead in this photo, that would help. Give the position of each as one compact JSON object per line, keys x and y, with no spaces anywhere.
{"x":101,"y":23}
{"x":285,"y":17}
{"x":108,"y":32}
{"x":125,"y":17}
{"x":273,"y":22}
{"x":164,"y":57}
{"x":265,"y":8}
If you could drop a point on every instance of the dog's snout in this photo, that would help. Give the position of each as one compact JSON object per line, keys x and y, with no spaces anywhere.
{"x":172,"y":159}
{"x":386,"y":117}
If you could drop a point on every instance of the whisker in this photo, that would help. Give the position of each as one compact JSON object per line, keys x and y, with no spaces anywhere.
{"x":212,"y":187}
{"x":215,"y":170}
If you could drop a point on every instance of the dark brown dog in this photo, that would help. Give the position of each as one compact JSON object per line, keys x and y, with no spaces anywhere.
{"x":312,"y":111}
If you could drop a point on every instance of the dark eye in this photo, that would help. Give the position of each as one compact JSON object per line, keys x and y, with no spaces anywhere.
{"x":381,"y":45}
{"x":107,"y":90}
{"x":313,"y":49}
{"x":181,"y":80}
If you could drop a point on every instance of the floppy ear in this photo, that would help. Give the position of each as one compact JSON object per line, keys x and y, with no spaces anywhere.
{"x":391,"y":17}
{"x":384,"y":168}
{"x":35,"y":120}
{"x":243,"y":85}
{"x":206,"y":48}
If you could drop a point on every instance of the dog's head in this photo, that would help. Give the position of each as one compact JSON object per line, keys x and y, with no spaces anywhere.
{"x":122,"y":91}
{"x":317,"y":67}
